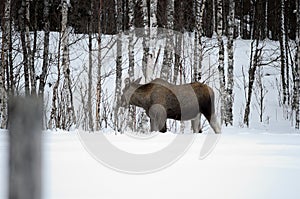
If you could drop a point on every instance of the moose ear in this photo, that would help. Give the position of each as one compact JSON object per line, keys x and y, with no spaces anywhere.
{"x":138,"y":80}
{"x":127,"y":81}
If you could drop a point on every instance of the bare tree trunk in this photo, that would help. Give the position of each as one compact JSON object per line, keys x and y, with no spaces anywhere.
{"x":34,"y":46}
{"x":198,"y":54}
{"x":25,"y":149}
{"x":22,"y":22}
{"x":283,"y":57}
{"x":230,"y":76}
{"x":297,"y":70}
{"x":178,"y":56}
{"x":169,"y":47}
{"x":254,"y":63}
{"x":42,"y":77}
{"x":152,"y":36}
{"x":221,"y":58}
{"x":54,"y":115}
{"x":132,"y":109}
{"x":99,"y":83}
{"x":4,"y":62}
{"x":118,"y":62}
{"x":90,"y":77}
{"x":67,"y":95}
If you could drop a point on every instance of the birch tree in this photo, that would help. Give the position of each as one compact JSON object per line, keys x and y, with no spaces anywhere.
{"x":146,"y":41}
{"x":99,"y":83}
{"x":178,"y":44}
{"x":198,"y":54}
{"x":90,"y":76}
{"x":153,"y":35}
{"x":132,"y":110}
{"x":230,"y":77}
{"x":221,"y":57}
{"x":4,"y":62}
{"x":150,"y":33}
{"x":169,"y":47}
{"x":119,"y":9}
{"x":67,"y":95}
{"x":42,"y":76}
{"x":283,"y":58}
{"x":23,"y":22}
{"x":255,"y":61}
{"x":296,"y":100}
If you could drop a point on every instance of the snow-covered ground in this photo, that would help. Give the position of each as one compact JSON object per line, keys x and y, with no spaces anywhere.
{"x":246,"y":163}
{"x":262,"y":161}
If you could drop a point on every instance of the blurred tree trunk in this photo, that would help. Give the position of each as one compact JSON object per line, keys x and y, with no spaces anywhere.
{"x":169,"y":47}
{"x":99,"y":83}
{"x":68,"y":117}
{"x":6,"y":34}
{"x":25,"y":148}
{"x":230,"y":76}
{"x":221,"y":58}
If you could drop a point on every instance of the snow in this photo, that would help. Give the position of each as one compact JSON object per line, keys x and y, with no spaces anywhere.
{"x":262,"y":161}
{"x":246,"y":163}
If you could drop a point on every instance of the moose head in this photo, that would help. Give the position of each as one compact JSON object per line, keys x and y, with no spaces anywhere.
{"x":129,"y":89}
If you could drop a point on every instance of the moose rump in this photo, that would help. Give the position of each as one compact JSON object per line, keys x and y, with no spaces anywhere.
{"x":162,"y":100}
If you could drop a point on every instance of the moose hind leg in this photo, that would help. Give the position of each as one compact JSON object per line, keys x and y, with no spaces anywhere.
{"x":196,"y":124}
{"x":215,"y":124}
{"x":158,"y":117}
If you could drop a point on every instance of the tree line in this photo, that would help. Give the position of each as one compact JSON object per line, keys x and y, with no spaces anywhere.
{"x":26,"y":27}
{"x":250,"y":15}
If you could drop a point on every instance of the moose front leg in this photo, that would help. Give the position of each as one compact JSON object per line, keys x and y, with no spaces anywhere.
{"x":158,"y":126}
{"x":158,"y":118}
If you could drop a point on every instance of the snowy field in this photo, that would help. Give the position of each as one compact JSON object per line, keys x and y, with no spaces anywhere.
{"x":246,"y":163}
{"x":259,"y":162}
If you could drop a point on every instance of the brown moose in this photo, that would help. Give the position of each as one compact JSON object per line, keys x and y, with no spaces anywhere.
{"x":162,"y":100}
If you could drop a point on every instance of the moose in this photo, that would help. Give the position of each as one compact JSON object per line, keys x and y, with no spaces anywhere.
{"x":162,"y":100}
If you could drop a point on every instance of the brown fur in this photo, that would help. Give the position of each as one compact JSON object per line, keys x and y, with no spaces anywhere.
{"x":162,"y":100}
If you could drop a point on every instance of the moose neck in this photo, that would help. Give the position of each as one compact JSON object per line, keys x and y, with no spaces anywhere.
{"x":138,"y":98}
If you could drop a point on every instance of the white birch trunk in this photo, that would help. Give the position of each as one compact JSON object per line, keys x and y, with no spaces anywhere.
{"x":132,"y":110}
{"x":119,"y":9}
{"x":169,"y":47}
{"x":30,"y":56}
{"x":198,"y":54}
{"x":99,"y":83}
{"x":90,"y":76}
{"x":130,"y":38}
{"x":297,"y":78}
{"x":153,"y":35}
{"x":67,"y":97}
{"x":146,"y":66}
{"x":283,"y":57}
{"x":230,"y":76}
{"x":5,"y":62}
{"x":221,"y":58}
{"x":46,"y":49}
